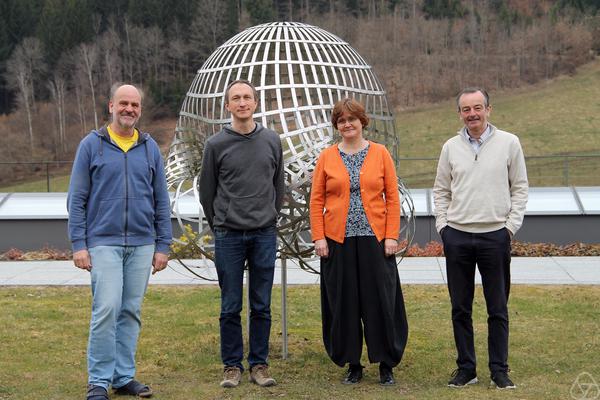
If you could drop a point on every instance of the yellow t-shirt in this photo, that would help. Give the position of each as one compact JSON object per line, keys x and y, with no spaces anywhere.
{"x":124,"y":143}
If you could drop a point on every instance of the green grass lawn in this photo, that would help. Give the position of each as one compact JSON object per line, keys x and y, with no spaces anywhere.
{"x":555,"y":337}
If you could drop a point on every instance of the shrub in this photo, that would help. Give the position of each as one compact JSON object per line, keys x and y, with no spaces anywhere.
{"x":186,"y":247}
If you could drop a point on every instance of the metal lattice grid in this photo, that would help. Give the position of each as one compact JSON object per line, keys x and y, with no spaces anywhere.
{"x":300,"y":72}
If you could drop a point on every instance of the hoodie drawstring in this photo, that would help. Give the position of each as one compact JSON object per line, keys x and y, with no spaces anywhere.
{"x":101,"y":145}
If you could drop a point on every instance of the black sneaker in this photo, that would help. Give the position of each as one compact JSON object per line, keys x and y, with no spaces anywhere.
{"x":501,"y":380}
{"x":462,"y":377}
{"x":386,"y":375}
{"x":354,"y":375}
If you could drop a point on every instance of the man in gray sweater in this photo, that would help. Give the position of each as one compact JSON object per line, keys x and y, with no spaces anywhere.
{"x":480,"y":194}
{"x":241,"y":192}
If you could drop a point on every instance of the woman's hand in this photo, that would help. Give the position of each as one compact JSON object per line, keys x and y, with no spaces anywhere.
{"x":321,"y":248}
{"x":390,"y":247}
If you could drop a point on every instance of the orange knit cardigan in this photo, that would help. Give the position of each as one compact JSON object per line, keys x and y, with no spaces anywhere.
{"x":330,"y":194}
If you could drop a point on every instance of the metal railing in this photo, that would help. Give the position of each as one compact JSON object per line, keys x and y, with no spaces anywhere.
{"x":417,"y":172}
{"x":18,"y":173}
{"x":555,"y":170}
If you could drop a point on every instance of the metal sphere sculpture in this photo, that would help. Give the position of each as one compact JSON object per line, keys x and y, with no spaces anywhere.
{"x":300,"y":72}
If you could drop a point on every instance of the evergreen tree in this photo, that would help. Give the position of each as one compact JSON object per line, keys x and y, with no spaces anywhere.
{"x":439,"y":9}
{"x":234,"y":10}
{"x":581,"y":6}
{"x":63,"y":25}
{"x":260,"y":11}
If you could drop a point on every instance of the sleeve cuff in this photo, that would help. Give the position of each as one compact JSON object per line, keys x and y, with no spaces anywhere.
{"x":162,"y":248}
{"x":79,"y":245}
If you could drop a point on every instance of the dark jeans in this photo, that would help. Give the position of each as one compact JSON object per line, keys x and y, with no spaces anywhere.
{"x":232,"y":249}
{"x":491,"y":252}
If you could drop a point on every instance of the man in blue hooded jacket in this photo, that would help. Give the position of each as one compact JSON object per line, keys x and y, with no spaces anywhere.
{"x":120,"y":229}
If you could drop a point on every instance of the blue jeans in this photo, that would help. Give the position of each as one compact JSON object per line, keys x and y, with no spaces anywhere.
{"x":119,"y":279}
{"x":232,"y":249}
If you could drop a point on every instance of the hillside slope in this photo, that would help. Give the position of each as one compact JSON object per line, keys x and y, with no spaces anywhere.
{"x":561,"y":116}
{"x":555,"y":118}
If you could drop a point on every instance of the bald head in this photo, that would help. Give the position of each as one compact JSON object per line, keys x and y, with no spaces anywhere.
{"x":116,"y":86}
{"x":125,"y":106}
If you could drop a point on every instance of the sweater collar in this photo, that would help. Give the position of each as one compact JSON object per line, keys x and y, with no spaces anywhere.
{"x":489,"y":131}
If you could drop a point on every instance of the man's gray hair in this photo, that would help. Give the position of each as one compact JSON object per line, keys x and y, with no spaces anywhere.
{"x":474,"y":89}
{"x":117,"y":85}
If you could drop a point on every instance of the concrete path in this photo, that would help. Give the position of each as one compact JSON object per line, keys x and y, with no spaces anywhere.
{"x":413,"y":270}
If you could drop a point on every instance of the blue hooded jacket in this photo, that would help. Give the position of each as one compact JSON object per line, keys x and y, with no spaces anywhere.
{"x":118,"y":198}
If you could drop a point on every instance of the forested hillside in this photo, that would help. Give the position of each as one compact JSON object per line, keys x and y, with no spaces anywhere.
{"x":58,"y":58}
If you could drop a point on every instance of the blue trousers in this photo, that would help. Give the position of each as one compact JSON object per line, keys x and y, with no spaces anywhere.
{"x":119,"y":279}
{"x":232,"y":249}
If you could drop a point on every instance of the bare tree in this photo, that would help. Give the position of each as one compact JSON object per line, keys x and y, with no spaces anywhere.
{"x":207,"y":29}
{"x":33,"y":58}
{"x":177,"y":54}
{"x":79,"y":84}
{"x":128,"y":56}
{"x":112,"y":65}
{"x":58,"y":89}
{"x":80,"y":107}
{"x":22,"y":68}
{"x":88,"y":55}
{"x":20,"y":80}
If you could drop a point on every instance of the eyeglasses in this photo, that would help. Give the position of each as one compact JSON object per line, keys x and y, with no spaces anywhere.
{"x":344,"y":121}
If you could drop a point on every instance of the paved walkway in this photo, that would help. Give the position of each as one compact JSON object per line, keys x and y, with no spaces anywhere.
{"x":413,"y":270}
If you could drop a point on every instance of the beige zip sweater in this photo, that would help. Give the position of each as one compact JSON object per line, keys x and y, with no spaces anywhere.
{"x":481,"y":192}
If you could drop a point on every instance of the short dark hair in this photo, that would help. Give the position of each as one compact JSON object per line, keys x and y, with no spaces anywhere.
{"x":242,"y":81}
{"x":473,"y":89}
{"x":353,"y":108}
{"x":115,"y":86}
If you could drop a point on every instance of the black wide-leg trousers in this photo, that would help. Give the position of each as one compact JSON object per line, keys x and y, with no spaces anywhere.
{"x":360,"y":287}
{"x":490,"y":251}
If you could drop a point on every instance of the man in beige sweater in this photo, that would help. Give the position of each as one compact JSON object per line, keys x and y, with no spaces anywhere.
{"x":480,"y":194}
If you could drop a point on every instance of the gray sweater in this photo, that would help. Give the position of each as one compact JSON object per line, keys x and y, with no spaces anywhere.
{"x":242,"y":179}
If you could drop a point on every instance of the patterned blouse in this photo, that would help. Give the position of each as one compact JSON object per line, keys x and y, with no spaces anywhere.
{"x":357,"y":223}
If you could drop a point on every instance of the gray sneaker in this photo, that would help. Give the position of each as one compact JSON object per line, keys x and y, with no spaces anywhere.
{"x":259,"y":374}
{"x":231,"y":377}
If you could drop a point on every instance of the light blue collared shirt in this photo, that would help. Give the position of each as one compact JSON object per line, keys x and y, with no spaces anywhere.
{"x":476,"y":143}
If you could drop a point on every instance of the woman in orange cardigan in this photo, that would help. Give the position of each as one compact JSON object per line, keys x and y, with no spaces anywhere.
{"x":355,"y":223}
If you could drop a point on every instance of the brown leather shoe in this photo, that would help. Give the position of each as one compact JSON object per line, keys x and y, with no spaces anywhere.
{"x":259,"y":374}
{"x":231,"y":377}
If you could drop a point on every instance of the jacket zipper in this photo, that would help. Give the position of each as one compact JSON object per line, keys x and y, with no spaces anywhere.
{"x":140,"y":140}
{"x":476,"y":152}
{"x":126,"y":198}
